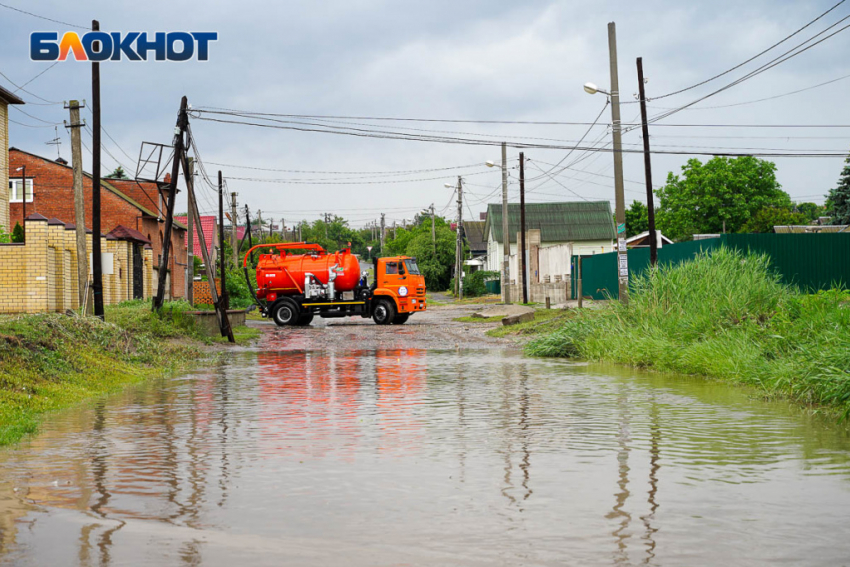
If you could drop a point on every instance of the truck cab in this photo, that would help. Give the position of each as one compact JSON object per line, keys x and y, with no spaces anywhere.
{"x":398,"y":290}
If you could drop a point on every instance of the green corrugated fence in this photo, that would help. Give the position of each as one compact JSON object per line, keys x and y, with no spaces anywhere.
{"x":809,"y":261}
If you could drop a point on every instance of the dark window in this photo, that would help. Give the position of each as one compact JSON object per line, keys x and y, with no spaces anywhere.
{"x":392,"y":268}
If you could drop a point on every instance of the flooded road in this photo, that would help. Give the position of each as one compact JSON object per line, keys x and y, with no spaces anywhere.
{"x":284,"y":455}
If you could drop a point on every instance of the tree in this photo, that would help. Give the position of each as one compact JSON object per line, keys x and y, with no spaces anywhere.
{"x":768,"y":217}
{"x":637,"y":219}
{"x":118,"y":174}
{"x":722,"y":190}
{"x":838,"y":199}
{"x":18,"y":233}
{"x":811,"y":211}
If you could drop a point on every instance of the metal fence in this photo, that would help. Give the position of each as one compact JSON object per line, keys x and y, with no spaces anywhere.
{"x":809,"y":261}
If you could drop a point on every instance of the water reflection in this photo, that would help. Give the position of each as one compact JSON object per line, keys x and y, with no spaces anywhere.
{"x":424,"y":457}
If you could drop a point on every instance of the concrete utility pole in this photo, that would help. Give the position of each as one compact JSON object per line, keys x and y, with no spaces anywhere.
{"x":647,"y":162}
{"x":234,"y":224}
{"x":383,"y":227}
{"x":282,"y":229}
{"x":259,"y":225}
{"x":459,"y":248}
{"x":179,"y":155}
{"x":506,"y":260}
{"x":433,"y":230}
{"x":97,"y":266}
{"x":79,"y":203}
{"x":222,"y":260}
{"x":622,"y":256}
{"x":190,"y":245}
{"x":521,"y":243}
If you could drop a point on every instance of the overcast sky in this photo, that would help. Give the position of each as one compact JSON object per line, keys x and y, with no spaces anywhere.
{"x":469,"y":60}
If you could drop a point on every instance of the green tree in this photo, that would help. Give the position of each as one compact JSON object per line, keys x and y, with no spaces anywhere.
{"x":118,"y":174}
{"x":720,"y":190}
{"x":838,"y":199}
{"x":811,"y":211}
{"x":18,"y":233}
{"x":768,"y":217}
{"x":637,"y":219}
{"x":5,"y":237}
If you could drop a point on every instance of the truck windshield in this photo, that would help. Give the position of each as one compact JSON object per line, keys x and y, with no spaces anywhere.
{"x":411,"y":266}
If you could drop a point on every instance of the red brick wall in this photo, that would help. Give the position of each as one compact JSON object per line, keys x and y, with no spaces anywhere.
{"x":201,"y":291}
{"x":53,"y":197}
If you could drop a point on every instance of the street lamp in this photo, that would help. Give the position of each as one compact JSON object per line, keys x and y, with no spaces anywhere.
{"x":506,"y":243}
{"x":620,"y":206}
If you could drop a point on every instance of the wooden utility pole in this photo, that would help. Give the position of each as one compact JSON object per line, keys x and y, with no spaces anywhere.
{"x":459,"y":246}
{"x":209,"y":266}
{"x":234,"y":224}
{"x":190,"y":247}
{"x":225,"y":300}
{"x":647,"y":163}
{"x":179,"y":156}
{"x":622,"y":256}
{"x":79,"y":203}
{"x":383,"y":226}
{"x":97,"y":266}
{"x":522,"y":227}
{"x":259,"y":224}
{"x":506,"y":259}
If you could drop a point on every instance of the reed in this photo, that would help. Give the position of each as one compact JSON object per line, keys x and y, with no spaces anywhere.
{"x":723,"y":315}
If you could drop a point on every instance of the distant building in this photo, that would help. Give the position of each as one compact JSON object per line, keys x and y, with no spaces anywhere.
{"x":6,"y":98}
{"x":642,"y":240}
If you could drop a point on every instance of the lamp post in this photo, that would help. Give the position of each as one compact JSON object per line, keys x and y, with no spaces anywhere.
{"x":506,"y":259}
{"x":620,"y":206}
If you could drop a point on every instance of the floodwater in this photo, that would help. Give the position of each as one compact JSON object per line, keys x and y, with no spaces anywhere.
{"x":282,"y":456}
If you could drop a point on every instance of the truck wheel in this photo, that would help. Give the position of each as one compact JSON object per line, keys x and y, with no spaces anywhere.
{"x":285,"y":312}
{"x":384,"y":312}
{"x":401,"y":318}
{"x":305,"y":319}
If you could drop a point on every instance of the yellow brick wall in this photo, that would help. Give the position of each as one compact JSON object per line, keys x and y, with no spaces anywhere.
{"x":4,"y":167}
{"x":41,"y":275}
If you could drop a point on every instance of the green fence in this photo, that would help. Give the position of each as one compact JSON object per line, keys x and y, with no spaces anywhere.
{"x":810,"y":261}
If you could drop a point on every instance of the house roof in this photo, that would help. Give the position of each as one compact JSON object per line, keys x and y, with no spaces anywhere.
{"x":474,"y":232}
{"x":122,"y":232}
{"x":645,"y":235}
{"x":104,"y":183}
{"x":208,"y":225}
{"x":9,"y":97}
{"x":558,"y":222}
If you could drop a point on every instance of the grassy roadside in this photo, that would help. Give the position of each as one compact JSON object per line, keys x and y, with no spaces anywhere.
{"x":545,"y":321}
{"x":52,"y":361}
{"x":724,"y":316}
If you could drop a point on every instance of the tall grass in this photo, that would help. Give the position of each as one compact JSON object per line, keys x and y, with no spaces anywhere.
{"x":724,"y":315}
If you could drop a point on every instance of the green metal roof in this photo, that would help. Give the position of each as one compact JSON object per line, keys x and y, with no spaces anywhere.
{"x":558,"y":222}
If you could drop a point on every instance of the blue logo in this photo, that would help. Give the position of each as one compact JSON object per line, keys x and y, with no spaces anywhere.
{"x":117,"y":46}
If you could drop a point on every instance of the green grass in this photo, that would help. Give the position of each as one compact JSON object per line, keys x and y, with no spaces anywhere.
{"x":51,"y":361}
{"x":545,"y":321}
{"x":724,"y":315}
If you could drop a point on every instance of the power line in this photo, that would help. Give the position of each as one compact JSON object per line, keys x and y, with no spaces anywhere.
{"x":363,"y":173}
{"x":20,"y":88}
{"x":43,"y":17}
{"x":726,"y":72}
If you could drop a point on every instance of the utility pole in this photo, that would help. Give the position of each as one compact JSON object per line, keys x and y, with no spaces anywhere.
{"x":647,"y":162}
{"x":620,"y":207}
{"x":179,"y":155}
{"x":433,"y":230}
{"x":522,"y":226}
{"x":190,"y":246}
{"x":79,"y":203}
{"x":282,"y":229}
{"x":383,"y":226}
{"x":259,"y":224}
{"x":97,"y":266}
{"x":209,"y":265}
{"x":225,"y":300}
{"x":459,"y":246}
{"x":234,"y":223}
{"x":506,"y":260}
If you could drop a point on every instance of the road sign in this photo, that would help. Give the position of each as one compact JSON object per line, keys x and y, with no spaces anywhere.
{"x":621,"y":228}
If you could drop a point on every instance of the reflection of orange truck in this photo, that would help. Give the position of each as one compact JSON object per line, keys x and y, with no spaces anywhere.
{"x":296,"y":287}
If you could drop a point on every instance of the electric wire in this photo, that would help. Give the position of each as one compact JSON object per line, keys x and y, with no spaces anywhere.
{"x":43,"y":17}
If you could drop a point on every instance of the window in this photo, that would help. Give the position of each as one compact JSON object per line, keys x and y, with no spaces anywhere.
{"x":412,"y":267}
{"x":16,"y":192}
{"x":392,"y":269}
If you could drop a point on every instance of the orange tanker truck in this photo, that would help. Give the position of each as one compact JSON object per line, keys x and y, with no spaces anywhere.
{"x":301,"y":280}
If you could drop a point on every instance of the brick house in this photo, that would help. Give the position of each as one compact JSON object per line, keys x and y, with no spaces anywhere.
{"x":6,"y":98}
{"x":133,"y":207}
